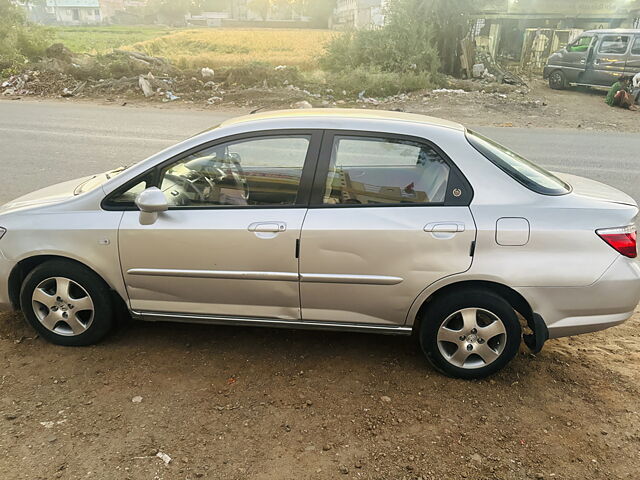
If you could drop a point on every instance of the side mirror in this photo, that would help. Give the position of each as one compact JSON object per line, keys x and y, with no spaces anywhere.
{"x":151,"y":202}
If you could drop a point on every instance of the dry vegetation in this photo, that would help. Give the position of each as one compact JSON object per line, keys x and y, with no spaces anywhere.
{"x":233,"y":47}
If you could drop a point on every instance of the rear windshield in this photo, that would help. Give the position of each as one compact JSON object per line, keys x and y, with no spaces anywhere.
{"x":520,"y":169}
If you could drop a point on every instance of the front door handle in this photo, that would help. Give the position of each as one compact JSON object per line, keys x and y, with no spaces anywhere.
{"x":267,"y":227}
{"x":444,"y":227}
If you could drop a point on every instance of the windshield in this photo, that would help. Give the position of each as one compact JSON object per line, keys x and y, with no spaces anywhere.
{"x":520,"y":169}
{"x":97,"y":180}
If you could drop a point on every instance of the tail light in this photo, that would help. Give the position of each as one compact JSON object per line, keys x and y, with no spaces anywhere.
{"x":622,"y":239}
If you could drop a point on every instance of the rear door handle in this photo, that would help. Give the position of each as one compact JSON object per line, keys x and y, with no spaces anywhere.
{"x":444,"y":227}
{"x":267,"y":227}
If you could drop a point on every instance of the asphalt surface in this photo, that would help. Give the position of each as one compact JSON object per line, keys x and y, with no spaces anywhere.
{"x":42,"y":143}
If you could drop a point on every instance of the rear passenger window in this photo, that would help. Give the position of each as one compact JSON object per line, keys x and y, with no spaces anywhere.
{"x":368,"y":171}
{"x":635,"y":50}
{"x":614,"y":44}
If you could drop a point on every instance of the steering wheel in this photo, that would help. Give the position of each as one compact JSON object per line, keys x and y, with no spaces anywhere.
{"x":237,"y":172}
{"x":185,"y":183}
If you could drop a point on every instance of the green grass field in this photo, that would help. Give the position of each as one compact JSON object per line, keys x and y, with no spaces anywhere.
{"x":104,"y":39}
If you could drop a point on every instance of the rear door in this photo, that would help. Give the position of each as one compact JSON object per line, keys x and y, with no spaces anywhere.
{"x":609,"y":60}
{"x":633,"y":61}
{"x":389,"y":216}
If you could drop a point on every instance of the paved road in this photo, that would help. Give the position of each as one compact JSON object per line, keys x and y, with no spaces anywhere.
{"x":45,"y":142}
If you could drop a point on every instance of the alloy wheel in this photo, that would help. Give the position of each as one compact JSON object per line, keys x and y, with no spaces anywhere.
{"x":472,"y":338}
{"x":63,"y":306}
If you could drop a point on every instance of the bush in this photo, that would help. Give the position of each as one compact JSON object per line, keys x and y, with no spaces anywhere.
{"x":419,"y":36}
{"x":20,"y":41}
{"x":376,"y":83}
{"x":256,"y":74}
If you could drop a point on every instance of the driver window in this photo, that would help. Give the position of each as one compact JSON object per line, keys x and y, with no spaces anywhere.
{"x":257,"y":171}
{"x":580,"y":45}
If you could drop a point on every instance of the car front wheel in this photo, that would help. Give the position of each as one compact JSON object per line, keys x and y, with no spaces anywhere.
{"x":470,"y":334}
{"x":67,"y":303}
{"x":557,"y":80}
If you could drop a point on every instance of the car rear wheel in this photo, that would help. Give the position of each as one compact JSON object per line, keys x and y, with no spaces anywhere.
{"x":67,"y":303}
{"x":470,"y":334}
{"x":557,"y":80}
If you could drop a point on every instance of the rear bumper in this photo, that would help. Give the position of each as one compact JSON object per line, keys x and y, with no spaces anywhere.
{"x":5,"y":269}
{"x":575,"y":310}
{"x":546,"y":71}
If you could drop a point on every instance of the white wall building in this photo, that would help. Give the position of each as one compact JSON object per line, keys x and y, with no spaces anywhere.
{"x":359,"y":14}
{"x":74,"y":12}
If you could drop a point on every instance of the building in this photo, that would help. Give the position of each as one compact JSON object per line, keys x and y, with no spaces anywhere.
{"x":73,"y":12}
{"x":527,"y":31}
{"x":249,"y":13}
{"x":207,"y":19}
{"x":358,"y":14}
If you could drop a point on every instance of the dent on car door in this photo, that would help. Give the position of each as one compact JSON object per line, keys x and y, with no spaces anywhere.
{"x":227,"y":245}
{"x":387,"y":218}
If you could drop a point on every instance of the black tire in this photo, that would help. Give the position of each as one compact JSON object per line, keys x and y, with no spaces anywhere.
{"x":97,"y":322}
{"x":557,"y":80}
{"x":490,"y":307}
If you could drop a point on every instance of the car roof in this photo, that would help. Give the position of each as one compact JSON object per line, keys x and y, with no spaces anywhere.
{"x":307,"y":117}
{"x":630,"y":31}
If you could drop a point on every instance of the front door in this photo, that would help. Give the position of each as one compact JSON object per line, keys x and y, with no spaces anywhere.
{"x":575,"y":57}
{"x":227,"y":245}
{"x":388,"y":218}
{"x":609,"y":60}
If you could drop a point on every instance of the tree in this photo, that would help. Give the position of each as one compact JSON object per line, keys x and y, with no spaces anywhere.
{"x":172,"y":11}
{"x":419,"y":35}
{"x":19,"y":40}
{"x":320,"y":11}
{"x":262,"y":7}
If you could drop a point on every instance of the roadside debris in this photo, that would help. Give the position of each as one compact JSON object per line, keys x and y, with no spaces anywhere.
{"x":448,"y":90}
{"x":124,"y":75}
{"x":170,"y":97}
{"x":145,"y":85}
{"x":302,"y":104}
{"x":207,"y":73}
{"x":164,"y":457}
{"x":137,"y":399}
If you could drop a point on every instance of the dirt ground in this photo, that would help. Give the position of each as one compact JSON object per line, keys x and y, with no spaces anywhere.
{"x":249,"y":403}
{"x":536,"y":106}
{"x":239,"y":403}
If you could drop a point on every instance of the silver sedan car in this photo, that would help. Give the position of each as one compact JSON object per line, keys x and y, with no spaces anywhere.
{"x":330,"y":219}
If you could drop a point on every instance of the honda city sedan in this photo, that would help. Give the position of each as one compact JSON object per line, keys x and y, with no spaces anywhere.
{"x":330,"y":219}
